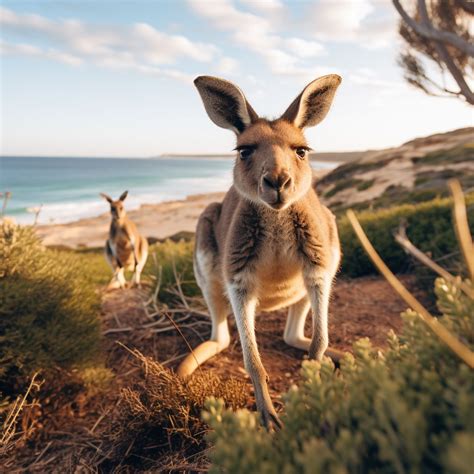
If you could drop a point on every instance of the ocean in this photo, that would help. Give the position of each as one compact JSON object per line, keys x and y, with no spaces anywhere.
{"x":68,"y":188}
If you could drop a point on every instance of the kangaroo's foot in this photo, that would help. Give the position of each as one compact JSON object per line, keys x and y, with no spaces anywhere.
{"x":304,"y":344}
{"x":114,"y":285}
{"x":269,"y":416}
{"x":199,"y":355}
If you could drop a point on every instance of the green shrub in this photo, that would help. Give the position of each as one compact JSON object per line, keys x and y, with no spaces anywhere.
{"x":344,"y":184}
{"x":173,"y":257}
{"x":408,"y":410}
{"x":458,"y":154}
{"x":365,"y":185}
{"x":96,"y":269}
{"x":48,"y":309}
{"x":429,"y":227}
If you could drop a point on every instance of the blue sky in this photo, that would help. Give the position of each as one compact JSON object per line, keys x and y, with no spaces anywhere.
{"x":114,"y":78}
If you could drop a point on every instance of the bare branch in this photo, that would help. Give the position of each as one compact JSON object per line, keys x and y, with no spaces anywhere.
{"x":402,"y":238}
{"x":429,"y":32}
{"x":445,"y":56}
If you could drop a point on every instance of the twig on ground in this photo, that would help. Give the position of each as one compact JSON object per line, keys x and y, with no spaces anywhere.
{"x":178,"y":285}
{"x":43,"y":452}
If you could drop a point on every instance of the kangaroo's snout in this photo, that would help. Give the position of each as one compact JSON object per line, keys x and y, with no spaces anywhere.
{"x":275,"y":188}
{"x":277,"y":182}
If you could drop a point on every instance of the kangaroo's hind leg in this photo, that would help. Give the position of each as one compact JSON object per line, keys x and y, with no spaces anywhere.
{"x":294,"y":329}
{"x":209,"y":279}
{"x":118,"y":279}
{"x":143,"y":256}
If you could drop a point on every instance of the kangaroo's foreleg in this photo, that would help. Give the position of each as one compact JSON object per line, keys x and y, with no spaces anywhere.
{"x":244,"y":305}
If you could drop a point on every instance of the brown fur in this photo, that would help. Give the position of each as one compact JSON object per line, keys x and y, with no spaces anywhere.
{"x":125,"y":249}
{"x":271,"y":243}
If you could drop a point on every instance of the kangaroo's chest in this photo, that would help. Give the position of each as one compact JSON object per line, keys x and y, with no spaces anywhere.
{"x":271,"y":250}
{"x":279,"y":270}
{"x":122,"y":248}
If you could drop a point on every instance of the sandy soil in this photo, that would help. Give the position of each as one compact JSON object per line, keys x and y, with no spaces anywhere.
{"x":155,"y":221}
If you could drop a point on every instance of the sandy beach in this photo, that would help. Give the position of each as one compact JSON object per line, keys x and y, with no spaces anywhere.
{"x":155,"y":221}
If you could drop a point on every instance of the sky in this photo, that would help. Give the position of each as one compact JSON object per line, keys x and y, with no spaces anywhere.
{"x":114,"y":78}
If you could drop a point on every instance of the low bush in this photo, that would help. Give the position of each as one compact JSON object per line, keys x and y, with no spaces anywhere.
{"x":458,"y":154}
{"x":175,"y":260}
{"x":407,"y":410}
{"x":48,"y":309}
{"x":161,"y":416}
{"x":344,"y":184}
{"x":429,"y":227}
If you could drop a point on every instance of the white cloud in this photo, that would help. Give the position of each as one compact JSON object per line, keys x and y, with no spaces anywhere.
{"x":138,"y":46}
{"x":30,"y":50}
{"x":264,"y":6}
{"x":227,"y":66}
{"x":372,"y":23}
{"x":284,"y":56}
{"x":304,"y":48}
{"x":339,"y":20}
{"x":368,"y":77}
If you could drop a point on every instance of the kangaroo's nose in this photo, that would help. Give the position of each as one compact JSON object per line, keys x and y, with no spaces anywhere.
{"x":277,"y":182}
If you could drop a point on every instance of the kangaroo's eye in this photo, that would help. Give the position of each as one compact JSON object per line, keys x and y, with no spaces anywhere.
{"x":245,"y":152}
{"x":301,"y":152}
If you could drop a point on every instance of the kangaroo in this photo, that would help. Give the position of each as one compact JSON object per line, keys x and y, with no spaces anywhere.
{"x":270,"y":244}
{"x":125,"y":249}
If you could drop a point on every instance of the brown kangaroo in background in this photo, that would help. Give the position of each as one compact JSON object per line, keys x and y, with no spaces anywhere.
{"x":270,"y":244}
{"x":125,"y":249}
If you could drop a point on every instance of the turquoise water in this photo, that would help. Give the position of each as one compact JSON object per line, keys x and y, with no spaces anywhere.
{"x":69,"y":188}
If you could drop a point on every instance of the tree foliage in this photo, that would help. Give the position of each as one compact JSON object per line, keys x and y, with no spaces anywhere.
{"x":436,"y":33}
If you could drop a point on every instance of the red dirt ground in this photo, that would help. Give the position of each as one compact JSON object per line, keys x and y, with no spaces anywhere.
{"x":364,"y":307}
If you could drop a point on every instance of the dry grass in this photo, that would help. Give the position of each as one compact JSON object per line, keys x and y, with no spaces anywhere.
{"x":16,"y":425}
{"x":161,"y":415}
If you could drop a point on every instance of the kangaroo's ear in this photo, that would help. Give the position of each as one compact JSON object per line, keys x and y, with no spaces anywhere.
{"x":107,"y":197}
{"x":123,"y":196}
{"x":225,"y":103}
{"x":313,"y":104}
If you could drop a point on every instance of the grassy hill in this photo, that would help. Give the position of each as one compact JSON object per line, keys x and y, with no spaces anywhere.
{"x":417,"y":171}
